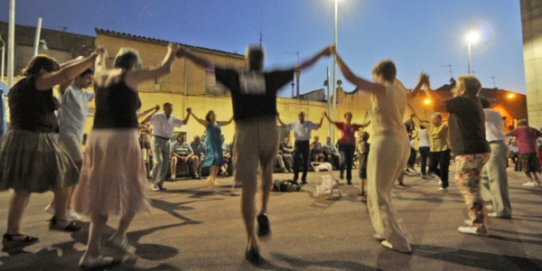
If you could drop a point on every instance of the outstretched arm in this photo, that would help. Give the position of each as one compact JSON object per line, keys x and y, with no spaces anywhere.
{"x":328,"y":118}
{"x":311,"y":61}
{"x":361,"y":83}
{"x":67,"y":73}
{"x":422,"y":79}
{"x":202,"y":62}
{"x":152,"y":109}
{"x":200,"y":121}
{"x":188,"y":113}
{"x":321,"y":120}
{"x":224,"y":123}
{"x":133,"y":78}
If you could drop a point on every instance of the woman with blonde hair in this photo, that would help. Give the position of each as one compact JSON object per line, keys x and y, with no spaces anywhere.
{"x":390,"y":148}
{"x":467,"y":137}
{"x":113,"y":177}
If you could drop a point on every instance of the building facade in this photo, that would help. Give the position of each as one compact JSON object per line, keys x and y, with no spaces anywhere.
{"x":531,"y":21}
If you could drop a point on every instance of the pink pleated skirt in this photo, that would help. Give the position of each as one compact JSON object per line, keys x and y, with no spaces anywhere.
{"x":113,"y":178}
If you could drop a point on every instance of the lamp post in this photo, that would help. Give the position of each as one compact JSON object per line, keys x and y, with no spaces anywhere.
{"x":334,"y":101}
{"x":471,"y":37}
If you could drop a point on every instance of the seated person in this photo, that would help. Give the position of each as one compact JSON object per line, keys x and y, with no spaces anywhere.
{"x":182,"y":151}
{"x":199,"y":150}
{"x":316,"y":151}
{"x":226,"y":169}
{"x":286,"y":150}
{"x":331,"y":153}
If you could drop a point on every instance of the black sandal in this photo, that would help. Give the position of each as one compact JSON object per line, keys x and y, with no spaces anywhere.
{"x":71,"y":227}
{"x":253,"y":256}
{"x":9,"y":243}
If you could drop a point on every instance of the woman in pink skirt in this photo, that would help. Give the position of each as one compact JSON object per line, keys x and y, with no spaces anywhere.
{"x":113,"y":176}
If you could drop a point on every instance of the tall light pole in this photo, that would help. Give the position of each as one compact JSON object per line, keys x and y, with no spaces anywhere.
{"x":334,"y":102}
{"x":11,"y":42}
{"x":472,"y":37}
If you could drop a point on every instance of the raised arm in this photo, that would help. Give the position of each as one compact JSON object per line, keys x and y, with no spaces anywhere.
{"x":362,"y":84}
{"x":133,"y":78}
{"x":321,"y":120}
{"x":67,"y":72}
{"x":328,"y":118}
{"x":202,"y":62}
{"x":145,"y":112}
{"x":188,"y":113}
{"x":200,"y":121}
{"x":280,"y":121}
{"x":437,"y":100}
{"x":418,"y":86}
{"x":224,"y":123}
{"x":311,"y":61}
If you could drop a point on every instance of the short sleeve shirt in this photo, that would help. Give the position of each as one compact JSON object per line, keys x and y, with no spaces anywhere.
{"x":347,"y":133}
{"x":73,"y":111}
{"x":467,"y":125}
{"x":163,"y":126}
{"x":254,"y":94}
{"x":183,"y":149}
{"x":526,"y":139}
{"x":302,"y":131}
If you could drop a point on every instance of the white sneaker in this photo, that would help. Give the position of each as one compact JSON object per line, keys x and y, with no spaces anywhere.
{"x":468,"y":222}
{"x":93,"y":263}
{"x":50,"y":209}
{"x":530,"y":184}
{"x":388,"y":245}
{"x":72,"y":215}
{"x":443,"y":189}
{"x":473,"y":230}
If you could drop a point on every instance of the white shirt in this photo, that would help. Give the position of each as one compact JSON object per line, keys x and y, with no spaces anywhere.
{"x":494,"y":125}
{"x":302,"y":131}
{"x":162,"y":126}
{"x":424,"y":138}
{"x":73,"y":111}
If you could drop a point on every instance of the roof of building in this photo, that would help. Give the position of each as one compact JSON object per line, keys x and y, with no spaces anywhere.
{"x":149,"y":39}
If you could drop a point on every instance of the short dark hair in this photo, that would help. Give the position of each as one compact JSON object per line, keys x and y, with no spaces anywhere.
{"x":167,"y":104}
{"x":40,"y":62}
{"x":126,"y":58}
{"x":87,"y":71}
{"x":208,"y":115}
{"x":348,"y":113}
{"x":365,"y":136}
{"x":485,"y":102}
{"x":386,"y":69}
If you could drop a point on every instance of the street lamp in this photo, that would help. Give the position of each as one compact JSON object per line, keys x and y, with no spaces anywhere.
{"x":334,"y":105}
{"x":472,"y":37}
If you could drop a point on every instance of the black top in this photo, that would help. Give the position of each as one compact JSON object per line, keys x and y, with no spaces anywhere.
{"x":467,"y":125}
{"x":254,"y":94}
{"x":31,"y":109}
{"x":116,"y":106}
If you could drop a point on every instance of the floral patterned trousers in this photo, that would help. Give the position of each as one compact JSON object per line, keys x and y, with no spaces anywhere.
{"x":468,"y":170}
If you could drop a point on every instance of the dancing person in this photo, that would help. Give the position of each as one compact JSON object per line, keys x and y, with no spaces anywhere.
{"x":302,"y":133}
{"x":163,"y":124}
{"x":467,"y":139}
{"x":528,"y":160}
{"x":254,"y":102}
{"x":439,"y":149}
{"x":494,"y":179}
{"x":182,"y":152}
{"x":214,"y":158}
{"x":364,"y":148}
{"x":389,"y":148}
{"x":424,"y":148}
{"x":72,"y":116}
{"x":347,"y":143}
{"x":286,"y":151}
{"x":32,"y":160}
{"x":113,"y":176}
{"x":410,"y":127}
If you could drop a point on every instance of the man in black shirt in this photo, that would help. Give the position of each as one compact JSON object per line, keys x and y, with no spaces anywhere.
{"x":254,"y":99}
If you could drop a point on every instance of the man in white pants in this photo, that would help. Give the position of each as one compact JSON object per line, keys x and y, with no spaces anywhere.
{"x":494,"y":186}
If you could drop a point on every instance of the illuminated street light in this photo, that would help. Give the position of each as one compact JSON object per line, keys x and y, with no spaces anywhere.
{"x":511,"y":96}
{"x":427,"y":101}
{"x":472,"y":37}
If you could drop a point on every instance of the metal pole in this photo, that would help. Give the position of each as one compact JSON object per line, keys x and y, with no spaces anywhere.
{"x":37,"y":37}
{"x":3,"y":59}
{"x":329,"y":131}
{"x":334,"y":105}
{"x":185,"y":85}
{"x":468,"y":56}
{"x":11,"y":42}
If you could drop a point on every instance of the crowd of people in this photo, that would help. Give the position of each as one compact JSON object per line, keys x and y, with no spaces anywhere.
{"x":42,"y":152}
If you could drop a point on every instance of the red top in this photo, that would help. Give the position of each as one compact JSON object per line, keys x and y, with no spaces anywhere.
{"x":347,"y":133}
{"x":526,"y":138}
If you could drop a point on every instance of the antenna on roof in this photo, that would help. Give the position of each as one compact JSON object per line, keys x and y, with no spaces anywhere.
{"x":449,"y":66}
{"x":494,"y":82}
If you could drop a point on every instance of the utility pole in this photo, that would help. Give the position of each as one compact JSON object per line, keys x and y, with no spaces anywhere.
{"x":11,"y":42}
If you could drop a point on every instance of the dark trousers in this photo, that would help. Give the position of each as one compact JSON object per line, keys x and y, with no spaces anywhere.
{"x":439,"y":164}
{"x":301,"y":159}
{"x":424,"y":155}
{"x":347,"y":159}
{"x":412,"y":158}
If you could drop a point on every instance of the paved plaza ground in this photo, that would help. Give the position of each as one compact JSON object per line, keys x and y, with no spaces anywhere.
{"x":197,"y":227}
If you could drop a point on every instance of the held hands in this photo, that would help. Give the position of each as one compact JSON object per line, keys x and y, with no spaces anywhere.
{"x":157,"y":108}
{"x":181,"y":52}
{"x":189,"y":110}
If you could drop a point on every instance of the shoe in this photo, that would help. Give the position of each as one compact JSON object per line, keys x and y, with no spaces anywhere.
{"x":70,"y":227}
{"x":118,"y":242}
{"x":9,"y":243}
{"x":349,"y":182}
{"x":473,"y":230}
{"x":155,"y":188}
{"x":50,"y":209}
{"x":264,"y":230}
{"x":341,"y":177}
{"x":173,"y":177}
{"x":87,"y":262}
{"x":530,"y":184}
{"x":197,"y":177}
{"x":378,"y":237}
{"x":468,"y":222}
{"x":253,"y":256}
{"x":443,"y":189}
{"x":303,"y":182}
{"x":72,"y":215}
{"x":388,"y":245}
{"x":495,"y":215}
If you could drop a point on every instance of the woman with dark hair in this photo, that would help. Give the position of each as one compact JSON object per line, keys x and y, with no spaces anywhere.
{"x":347,"y":142}
{"x":113,"y":176}
{"x":468,"y":143}
{"x":30,"y":157}
{"x":213,"y":144}
{"x":390,"y":148}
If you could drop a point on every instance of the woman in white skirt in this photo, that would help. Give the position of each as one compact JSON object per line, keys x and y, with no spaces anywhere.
{"x":390,"y":148}
{"x":113,"y":177}
{"x":30,"y":157}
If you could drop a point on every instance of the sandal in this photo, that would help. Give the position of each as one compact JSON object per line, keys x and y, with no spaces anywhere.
{"x":9,"y":242}
{"x":70,"y":227}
